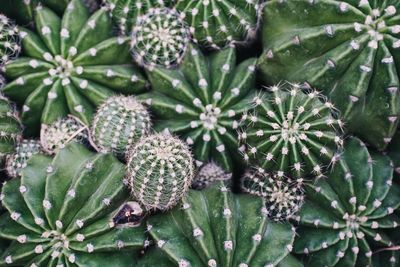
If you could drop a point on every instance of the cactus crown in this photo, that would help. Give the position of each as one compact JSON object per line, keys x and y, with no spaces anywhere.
{"x":208,"y":174}
{"x":9,"y":40}
{"x":17,"y":161}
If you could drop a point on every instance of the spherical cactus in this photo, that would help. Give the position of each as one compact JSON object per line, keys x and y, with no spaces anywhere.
{"x":62,"y":209}
{"x":348,"y":49}
{"x":218,"y":23}
{"x":118,"y":124}
{"x":62,"y":132}
{"x":9,"y":40}
{"x":344,"y":217}
{"x":202,"y":101}
{"x":291,"y":131}
{"x":17,"y":161}
{"x":69,"y":66}
{"x":209,"y":174}
{"x":160,"y":38}
{"x":160,"y":171}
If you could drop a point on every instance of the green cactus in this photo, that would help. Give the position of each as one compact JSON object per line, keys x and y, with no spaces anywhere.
{"x":9,"y":40}
{"x":202,"y":101}
{"x":292,"y":131}
{"x":216,"y":24}
{"x":69,"y":66}
{"x":348,"y":49}
{"x":214,"y":227}
{"x":61,"y":212}
{"x":345,"y":216}
{"x":160,"y":171}
{"x":208,"y":174}
{"x":18,"y":160}
{"x":394,"y":154}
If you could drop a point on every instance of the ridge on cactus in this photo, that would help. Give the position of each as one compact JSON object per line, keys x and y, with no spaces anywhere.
{"x":291,"y":130}
{"x":160,"y":171}
{"x":69,"y":66}
{"x":348,"y":49}
{"x":202,"y":102}
{"x":118,"y":124}
{"x":61,"y":212}
{"x":345,"y":216}
{"x":18,"y":160}
{"x":9,"y":40}
{"x":208,"y":174}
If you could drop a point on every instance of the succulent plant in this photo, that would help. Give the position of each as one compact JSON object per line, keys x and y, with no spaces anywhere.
{"x":208,"y":174}
{"x":291,"y":130}
{"x":118,"y":124}
{"x":69,"y":66}
{"x":347,"y":49}
{"x":160,"y":171}
{"x":216,"y":24}
{"x":61,"y":211}
{"x":62,"y":132}
{"x":202,"y":101}
{"x":346,"y":215}
{"x":9,"y":40}
{"x":18,"y":160}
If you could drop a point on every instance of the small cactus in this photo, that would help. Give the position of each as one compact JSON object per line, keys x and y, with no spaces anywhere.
{"x":118,"y":124}
{"x":9,"y":40}
{"x":160,"y":171}
{"x":17,"y":161}
{"x":209,"y":174}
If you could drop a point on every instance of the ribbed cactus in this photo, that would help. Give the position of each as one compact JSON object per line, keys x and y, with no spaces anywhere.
{"x":61,"y":212}
{"x":202,"y":101}
{"x":118,"y":124}
{"x":208,"y":174}
{"x":292,"y":130}
{"x":9,"y":40}
{"x":214,"y":227}
{"x":18,"y":160}
{"x":69,"y":66}
{"x":348,"y":49}
{"x":219,"y":23}
{"x":346,"y":215}
{"x":160,"y":171}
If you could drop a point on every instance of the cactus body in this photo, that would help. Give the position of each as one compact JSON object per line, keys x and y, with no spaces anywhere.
{"x":18,"y":160}
{"x":69,"y":66}
{"x":160,"y":171}
{"x":346,"y":215}
{"x":61,"y":212}
{"x":9,"y":40}
{"x":209,"y":174}
{"x":202,"y":102}
{"x":291,"y":131}
{"x":118,"y":124}
{"x":346,"y":48}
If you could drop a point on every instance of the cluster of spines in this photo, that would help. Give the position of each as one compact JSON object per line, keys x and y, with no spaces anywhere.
{"x":17,"y":161}
{"x":208,"y":174}
{"x":9,"y":40}
{"x":11,"y":133}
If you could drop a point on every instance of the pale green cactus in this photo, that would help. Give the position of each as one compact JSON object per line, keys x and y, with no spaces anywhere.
{"x":18,"y":160}
{"x":10,"y":46}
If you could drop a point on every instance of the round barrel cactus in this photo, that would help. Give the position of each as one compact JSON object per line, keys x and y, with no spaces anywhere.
{"x":69,"y":66}
{"x":9,"y":40}
{"x":160,"y":171}
{"x":292,"y":131}
{"x":118,"y":124}
{"x":18,"y":160}
{"x":348,"y":49}
{"x":202,"y":101}
{"x":344,"y":217}
{"x":61,"y":212}
{"x":208,"y":174}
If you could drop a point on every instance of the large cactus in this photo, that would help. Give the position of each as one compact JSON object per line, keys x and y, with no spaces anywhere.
{"x":202,"y":101}
{"x":61,"y":212}
{"x":344,"y":217}
{"x":69,"y":66}
{"x":9,"y":40}
{"x":348,"y":49}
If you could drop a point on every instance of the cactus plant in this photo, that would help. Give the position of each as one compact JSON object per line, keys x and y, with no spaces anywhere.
{"x":118,"y":124}
{"x":394,"y":154}
{"x":61,"y":212}
{"x":160,"y":171}
{"x":209,"y":174}
{"x":291,"y":131}
{"x":69,"y":66}
{"x":202,"y":101}
{"x":216,"y":24}
{"x":345,"y":215}
{"x":18,"y":160}
{"x":9,"y":40}
{"x":348,"y":49}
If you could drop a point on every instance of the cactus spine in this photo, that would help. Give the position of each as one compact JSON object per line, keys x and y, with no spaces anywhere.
{"x":18,"y":160}
{"x":9,"y":40}
{"x":209,"y":174}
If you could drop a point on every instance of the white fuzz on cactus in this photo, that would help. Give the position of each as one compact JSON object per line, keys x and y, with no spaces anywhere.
{"x":208,"y":174}
{"x":9,"y":40}
{"x":160,"y":171}
{"x":16,"y":162}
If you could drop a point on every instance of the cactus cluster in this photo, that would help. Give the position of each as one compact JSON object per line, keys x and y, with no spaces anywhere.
{"x":208,"y":174}
{"x":18,"y":160}
{"x":9,"y":40}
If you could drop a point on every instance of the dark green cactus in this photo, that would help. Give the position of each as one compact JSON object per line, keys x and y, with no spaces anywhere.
{"x":9,"y":40}
{"x":389,"y":258}
{"x":202,"y":101}
{"x":210,"y":173}
{"x":62,"y":211}
{"x":69,"y":66}
{"x":348,"y":49}
{"x":18,"y":160}
{"x":346,"y":215}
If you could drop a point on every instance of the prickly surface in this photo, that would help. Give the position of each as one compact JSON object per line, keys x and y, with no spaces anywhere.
{"x":349,"y":49}
{"x":9,"y":40}
{"x":61,"y":212}
{"x":18,"y":160}
{"x":291,"y":130}
{"x":69,"y":66}
{"x":210,"y":173}
{"x":202,"y":101}
{"x":346,"y":215}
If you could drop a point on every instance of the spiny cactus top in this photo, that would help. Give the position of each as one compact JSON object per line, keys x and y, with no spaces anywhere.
{"x":60,"y":212}
{"x":202,"y":102}
{"x":210,"y":173}
{"x":10,"y":128}
{"x":347,"y":213}
{"x":69,"y":66}
{"x":346,"y":48}
{"x":218,"y":23}
{"x":9,"y":40}
{"x":160,"y":171}
{"x":291,"y":131}
{"x":17,"y":161}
